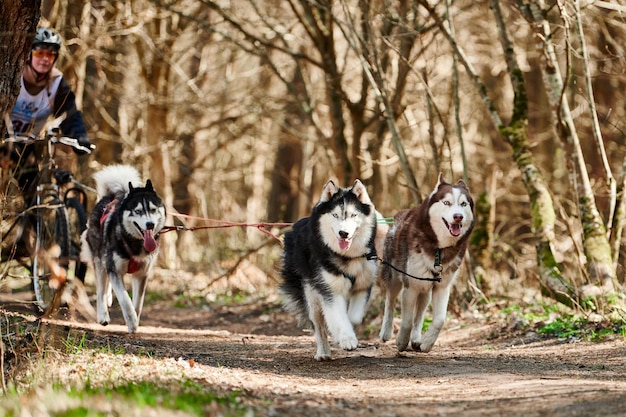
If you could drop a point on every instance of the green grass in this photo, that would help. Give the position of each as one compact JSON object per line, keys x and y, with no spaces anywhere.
{"x":186,"y":396}
{"x":555,"y":320}
{"x":128,"y":398}
{"x":231,"y":297}
{"x":564,"y":327}
{"x":183,"y":395}
{"x":568,"y":327}
{"x":76,"y":342}
{"x":81,"y":412}
{"x":153,"y":297}
{"x":186,"y":301}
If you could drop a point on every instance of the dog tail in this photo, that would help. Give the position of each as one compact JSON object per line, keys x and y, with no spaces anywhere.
{"x":115,"y":178}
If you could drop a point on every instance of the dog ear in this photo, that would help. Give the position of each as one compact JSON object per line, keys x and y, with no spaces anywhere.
{"x":462,"y":183}
{"x":359,"y":190}
{"x":130,"y":186}
{"x":329,"y":190}
{"x":149,"y":186}
{"x":440,"y":180}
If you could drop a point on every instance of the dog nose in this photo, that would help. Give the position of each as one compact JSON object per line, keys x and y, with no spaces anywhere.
{"x":458,"y":218}
{"x":343,"y":235}
{"x":150,"y":225}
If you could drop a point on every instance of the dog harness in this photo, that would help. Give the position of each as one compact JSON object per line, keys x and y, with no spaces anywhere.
{"x":369,"y":256}
{"x":133,"y":264}
{"x":108,"y":209}
{"x":437,"y":267}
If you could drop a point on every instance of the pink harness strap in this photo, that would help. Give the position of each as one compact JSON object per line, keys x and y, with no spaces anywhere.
{"x":108,"y":209}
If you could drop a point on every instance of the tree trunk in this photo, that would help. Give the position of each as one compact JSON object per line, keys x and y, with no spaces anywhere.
{"x":322,"y":23}
{"x":154,"y":139}
{"x":18,"y":21}
{"x":595,"y":241}
{"x":284,"y":195}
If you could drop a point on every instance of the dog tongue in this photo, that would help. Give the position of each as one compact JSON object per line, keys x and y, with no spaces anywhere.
{"x":455,"y":229}
{"x":344,"y":244}
{"x":149,"y":244}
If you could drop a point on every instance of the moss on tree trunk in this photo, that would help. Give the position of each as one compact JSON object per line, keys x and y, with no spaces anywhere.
{"x":542,"y":212}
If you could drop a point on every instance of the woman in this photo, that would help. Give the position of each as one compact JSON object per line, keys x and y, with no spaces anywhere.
{"x":44,"y":92}
{"x":44,"y":95}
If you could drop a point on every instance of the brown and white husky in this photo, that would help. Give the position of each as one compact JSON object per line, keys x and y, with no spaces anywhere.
{"x":427,"y":241}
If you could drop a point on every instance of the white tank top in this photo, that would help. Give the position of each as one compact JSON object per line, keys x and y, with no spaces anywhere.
{"x":31,"y":112}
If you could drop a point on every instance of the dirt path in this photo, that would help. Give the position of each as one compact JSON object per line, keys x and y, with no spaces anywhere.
{"x":257,"y":350}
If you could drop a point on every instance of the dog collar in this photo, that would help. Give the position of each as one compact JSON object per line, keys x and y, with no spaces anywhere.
{"x":367,"y":256}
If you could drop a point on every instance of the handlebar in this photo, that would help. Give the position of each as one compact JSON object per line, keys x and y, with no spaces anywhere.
{"x":64,"y":140}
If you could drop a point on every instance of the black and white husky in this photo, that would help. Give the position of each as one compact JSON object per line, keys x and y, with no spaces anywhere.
{"x":122,"y":237}
{"x":329,"y":265}
{"x":427,"y":241}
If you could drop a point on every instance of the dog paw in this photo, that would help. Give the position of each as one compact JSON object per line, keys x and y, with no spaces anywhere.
{"x":416,"y":342}
{"x":385,"y":335}
{"x":323,"y":353}
{"x":133,"y":325}
{"x":402,"y":341}
{"x":349,"y":342}
{"x":428,"y":342}
{"x":103,"y":319}
{"x":424,"y":347}
{"x":323,"y":357}
{"x":402,"y":346}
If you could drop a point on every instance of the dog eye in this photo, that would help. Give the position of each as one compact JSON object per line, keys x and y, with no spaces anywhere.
{"x":335,"y":215}
{"x":353,"y":215}
{"x":447,"y":203}
{"x":463,"y":204}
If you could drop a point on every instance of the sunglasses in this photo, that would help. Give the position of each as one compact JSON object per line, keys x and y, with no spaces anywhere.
{"x":44,"y":53}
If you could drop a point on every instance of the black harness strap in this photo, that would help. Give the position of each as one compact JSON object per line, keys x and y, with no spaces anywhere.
{"x":349,"y":277}
{"x":437,"y":268}
{"x":331,"y":267}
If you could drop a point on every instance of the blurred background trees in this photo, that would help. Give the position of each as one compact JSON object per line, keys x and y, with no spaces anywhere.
{"x":242,"y":110}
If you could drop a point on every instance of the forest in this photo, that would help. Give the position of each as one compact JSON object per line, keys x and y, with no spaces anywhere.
{"x":241,"y":111}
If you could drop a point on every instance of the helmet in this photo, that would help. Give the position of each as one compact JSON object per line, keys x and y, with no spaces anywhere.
{"x":47,"y":38}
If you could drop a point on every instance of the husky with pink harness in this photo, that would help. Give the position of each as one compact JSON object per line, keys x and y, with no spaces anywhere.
{"x":122,"y":237}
